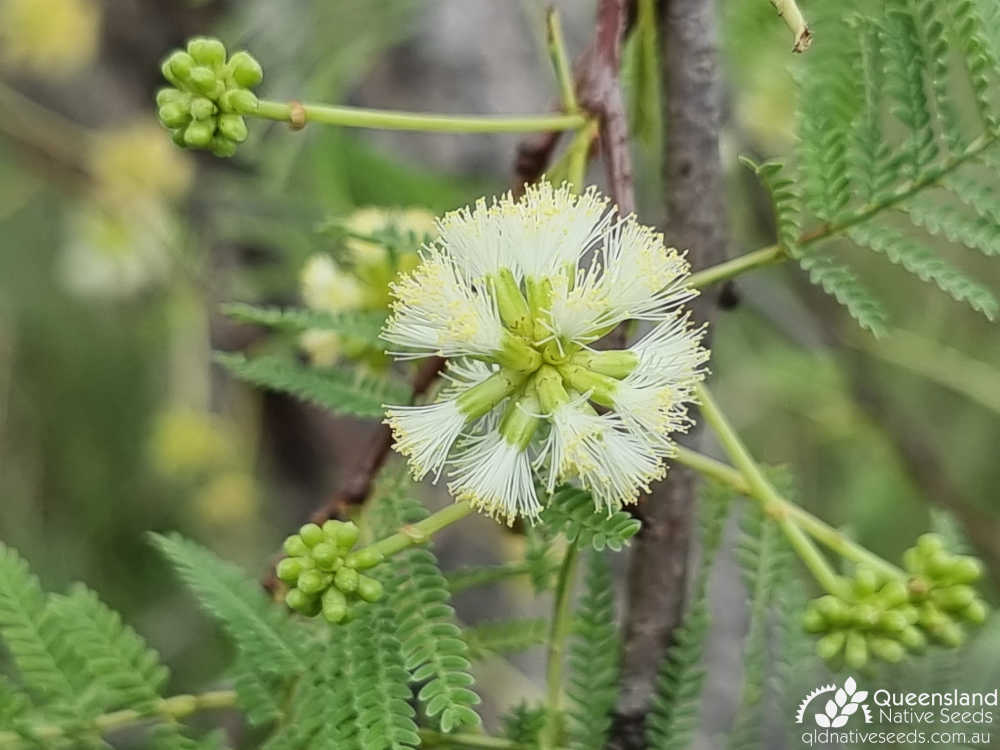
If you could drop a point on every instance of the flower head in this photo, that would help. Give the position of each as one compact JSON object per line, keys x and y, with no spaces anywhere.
{"x":53,"y":38}
{"x":515,"y":294}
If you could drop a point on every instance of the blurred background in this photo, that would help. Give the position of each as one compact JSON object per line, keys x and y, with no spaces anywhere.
{"x":116,"y":250}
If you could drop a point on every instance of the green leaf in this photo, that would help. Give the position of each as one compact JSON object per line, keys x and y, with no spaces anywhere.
{"x":594,"y":659}
{"x":491,"y":638}
{"x":980,"y":59}
{"x":640,"y":77}
{"x":785,"y":201}
{"x":976,"y":232}
{"x":842,"y":284}
{"x":114,"y":655}
{"x":267,"y":640}
{"x":571,"y":512}
{"x":523,"y":724}
{"x":258,"y":694}
{"x":356,"y":323}
{"x":433,"y":649}
{"x":341,"y":391}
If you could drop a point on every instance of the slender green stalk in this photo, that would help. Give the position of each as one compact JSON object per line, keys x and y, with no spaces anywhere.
{"x":467,"y":578}
{"x":421,"y":532}
{"x":811,"y":557}
{"x":748,"y":479}
{"x":560,"y":60}
{"x":562,"y":621}
{"x":766,"y":256}
{"x":167,"y":709}
{"x":431,"y":738}
{"x":357,"y":117}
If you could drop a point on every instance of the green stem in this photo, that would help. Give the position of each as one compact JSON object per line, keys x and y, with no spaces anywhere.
{"x":766,"y":256}
{"x":357,"y":117}
{"x":168,"y":709}
{"x":562,"y":621}
{"x":467,"y":578}
{"x":748,"y":479}
{"x":421,"y":532}
{"x":439,"y":739}
{"x":811,"y":557}
{"x":560,"y":60}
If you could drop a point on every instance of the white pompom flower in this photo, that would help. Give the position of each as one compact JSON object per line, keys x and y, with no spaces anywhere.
{"x":516,"y":294}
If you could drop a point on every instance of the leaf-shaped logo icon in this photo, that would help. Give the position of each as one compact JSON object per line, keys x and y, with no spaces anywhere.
{"x":859,"y":697}
{"x":822,"y":721}
{"x":838,"y":722}
{"x":849,"y":709}
{"x":850,"y":686}
{"x":831,"y":709}
{"x":840,"y":697}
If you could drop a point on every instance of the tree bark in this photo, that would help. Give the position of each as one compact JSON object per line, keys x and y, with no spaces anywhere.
{"x":696,"y":220}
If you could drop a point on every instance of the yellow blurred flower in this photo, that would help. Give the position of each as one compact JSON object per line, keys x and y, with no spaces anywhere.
{"x":136,"y":162}
{"x":189,"y":443}
{"x":229,"y":498}
{"x":54,"y":38}
{"x":372,"y":220}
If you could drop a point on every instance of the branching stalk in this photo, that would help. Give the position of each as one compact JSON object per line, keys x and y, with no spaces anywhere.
{"x":766,"y":256}
{"x":561,"y":623}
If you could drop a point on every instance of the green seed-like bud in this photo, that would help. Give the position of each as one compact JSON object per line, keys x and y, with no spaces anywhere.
{"x":174,"y":115}
{"x":966,"y":569}
{"x":334,"y":605}
{"x":343,"y":533}
{"x":233,"y":127}
{"x":295,"y":546}
{"x":169,"y":95}
{"x":313,"y":581}
{"x":912,"y":561}
{"x":223,"y":147}
{"x":207,"y":51}
{"x":865,"y":615}
{"x":865,"y":581}
{"x":180,"y":65}
{"x":246,"y":70}
{"x":199,"y":133}
{"x":950,"y":634}
{"x":326,"y":555}
{"x":240,"y":101}
{"x":813,"y":621}
{"x":288,"y":570}
{"x":893,"y":594}
{"x":932,"y":618}
{"x":203,"y":79}
{"x":939,"y":564}
{"x":928,"y":544}
{"x":302,"y":602}
{"x":829,"y":645}
{"x":954,"y":597}
{"x":177,"y":136}
{"x":311,"y":534}
{"x":834,"y":611}
{"x":346,"y":579}
{"x":886,"y":649}
{"x":913,"y":639}
{"x":369,"y":589}
{"x":893,"y":621}
{"x":856,"y":650}
{"x":364,"y":559}
{"x":202,"y":108}
{"x":976,"y":612}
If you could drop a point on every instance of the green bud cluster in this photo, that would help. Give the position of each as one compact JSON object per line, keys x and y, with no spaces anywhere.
{"x":208,"y":96}
{"x":324,"y":574}
{"x":876,"y":617}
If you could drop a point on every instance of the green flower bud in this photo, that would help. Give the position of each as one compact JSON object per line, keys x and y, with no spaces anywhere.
{"x":327,"y":556}
{"x":180,"y":65}
{"x":203,"y":79}
{"x":364,"y":559}
{"x":202,"y":108}
{"x":177,"y":136}
{"x":855,"y":650}
{"x":369,"y":589}
{"x":813,"y":621}
{"x":313,"y":581}
{"x":207,"y":51}
{"x":311,"y":534}
{"x":233,"y":127}
{"x":911,"y":613}
{"x":954,"y":597}
{"x":245,"y":69}
{"x":346,"y":579}
{"x":334,"y":606}
{"x":169,"y":95}
{"x":913,"y":639}
{"x":302,"y":602}
{"x":288,"y":570}
{"x":223,"y":147}
{"x":950,"y":634}
{"x":295,"y":546}
{"x":929,"y":544}
{"x":174,"y":115}
{"x":966,"y":569}
{"x":829,"y":645}
{"x":886,"y":649}
{"x":343,"y":533}
{"x":976,"y":612}
{"x":240,"y":101}
{"x":865,"y":615}
{"x":939,"y":564}
{"x":893,"y":594}
{"x":893,"y":622}
{"x":865,"y":581}
{"x":932,"y":618}
{"x":199,"y":133}
{"x":834,"y":611}
{"x":912,"y":561}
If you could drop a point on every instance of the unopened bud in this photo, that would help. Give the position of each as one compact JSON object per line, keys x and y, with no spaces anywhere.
{"x":245,"y":69}
{"x":326,"y":555}
{"x":346,"y":579}
{"x":311,"y":534}
{"x":288,"y":570}
{"x":199,"y":133}
{"x":364,"y":559}
{"x":887,"y":649}
{"x":830,"y":645}
{"x":295,"y":546}
{"x":855,"y":650}
{"x":233,"y":127}
{"x":207,"y":51}
{"x":369,"y":589}
{"x":313,"y":581}
{"x":334,"y":605}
